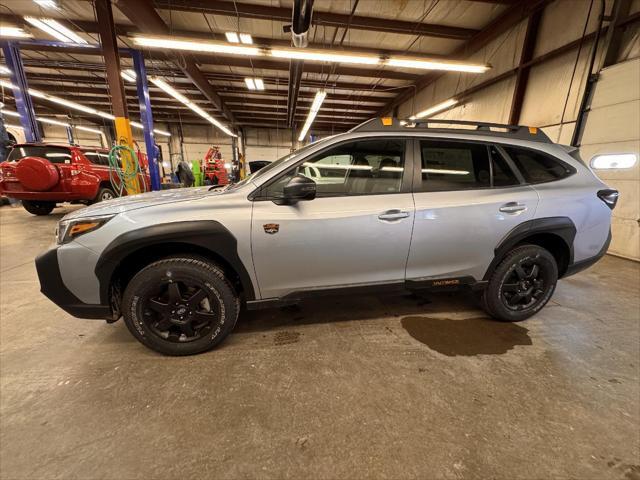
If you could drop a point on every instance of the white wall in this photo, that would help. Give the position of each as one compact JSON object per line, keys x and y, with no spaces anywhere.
{"x":613,"y":126}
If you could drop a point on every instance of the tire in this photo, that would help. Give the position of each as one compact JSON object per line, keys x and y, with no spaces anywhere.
{"x":180,"y":306}
{"x":38,"y":208}
{"x":104,"y":193}
{"x":522,"y":283}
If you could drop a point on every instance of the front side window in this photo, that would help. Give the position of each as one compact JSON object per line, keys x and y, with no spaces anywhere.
{"x":538,"y":167}
{"x":364,"y":167}
{"x":450,"y":166}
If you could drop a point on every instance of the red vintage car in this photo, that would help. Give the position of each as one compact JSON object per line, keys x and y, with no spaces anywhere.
{"x":43,"y":175}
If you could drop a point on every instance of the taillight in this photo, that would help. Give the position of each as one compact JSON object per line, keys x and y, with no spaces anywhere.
{"x":609,"y":196}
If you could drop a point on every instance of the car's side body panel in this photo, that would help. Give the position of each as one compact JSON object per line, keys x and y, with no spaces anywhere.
{"x":330,"y":242}
{"x":455,"y":233}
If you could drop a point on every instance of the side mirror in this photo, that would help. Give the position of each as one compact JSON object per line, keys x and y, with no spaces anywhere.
{"x":298,"y":188}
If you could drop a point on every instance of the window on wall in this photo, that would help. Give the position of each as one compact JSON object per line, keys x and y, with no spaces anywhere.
{"x":538,"y":167}
{"x":365,"y":167}
{"x":613,"y":161}
{"x":450,"y":166}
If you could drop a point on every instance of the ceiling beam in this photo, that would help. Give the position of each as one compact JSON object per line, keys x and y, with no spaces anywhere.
{"x":508,"y":19}
{"x":143,"y":14}
{"x":283,"y":14}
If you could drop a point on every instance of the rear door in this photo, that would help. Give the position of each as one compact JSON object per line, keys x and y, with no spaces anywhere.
{"x":355,"y":232}
{"x":468,"y":197}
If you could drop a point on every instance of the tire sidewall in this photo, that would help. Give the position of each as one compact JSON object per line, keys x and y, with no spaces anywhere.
{"x":180,"y":269}
{"x":493,"y":300}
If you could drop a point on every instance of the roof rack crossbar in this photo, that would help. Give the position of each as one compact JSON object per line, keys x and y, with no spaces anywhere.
{"x":519,"y":132}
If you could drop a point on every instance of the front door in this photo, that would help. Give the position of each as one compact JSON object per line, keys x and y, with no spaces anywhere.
{"x":467,"y":197}
{"x":356,"y":231}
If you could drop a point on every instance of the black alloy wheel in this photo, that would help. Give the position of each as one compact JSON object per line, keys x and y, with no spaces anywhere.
{"x":180,"y":305}
{"x":180,"y":311}
{"x":524,"y":284}
{"x":521,"y":284}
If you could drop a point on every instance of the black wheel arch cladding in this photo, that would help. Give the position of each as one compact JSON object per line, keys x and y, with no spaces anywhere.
{"x":560,"y":227}
{"x":207,"y":235}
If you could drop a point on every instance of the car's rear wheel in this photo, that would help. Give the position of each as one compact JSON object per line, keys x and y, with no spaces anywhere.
{"x":180,"y":306}
{"x":104,"y":194}
{"x":522,"y":284}
{"x":38,"y":208}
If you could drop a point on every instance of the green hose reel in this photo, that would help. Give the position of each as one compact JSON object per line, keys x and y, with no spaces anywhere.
{"x":118,"y":176}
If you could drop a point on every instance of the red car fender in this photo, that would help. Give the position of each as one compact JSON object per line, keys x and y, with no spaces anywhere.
{"x":86,"y":183}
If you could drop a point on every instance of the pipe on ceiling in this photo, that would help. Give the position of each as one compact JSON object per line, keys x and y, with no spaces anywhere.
{"x":301,"y":22}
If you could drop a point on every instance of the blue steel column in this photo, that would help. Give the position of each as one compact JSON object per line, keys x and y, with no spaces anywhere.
{"x":21,"y":92}
{"x":146,"y":117}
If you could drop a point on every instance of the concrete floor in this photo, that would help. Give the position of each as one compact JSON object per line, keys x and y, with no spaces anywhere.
{"x":351,"y":388}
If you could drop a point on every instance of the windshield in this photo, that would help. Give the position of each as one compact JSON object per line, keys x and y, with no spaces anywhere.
{"x":275,"y":164}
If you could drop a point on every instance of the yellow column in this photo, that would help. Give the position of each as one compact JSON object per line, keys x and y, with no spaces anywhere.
{"x":125,"y":137}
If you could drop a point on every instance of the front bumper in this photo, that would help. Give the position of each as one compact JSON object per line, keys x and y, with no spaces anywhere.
{"x":52,"y":286}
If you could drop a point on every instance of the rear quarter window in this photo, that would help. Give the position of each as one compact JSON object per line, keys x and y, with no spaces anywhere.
{"x":538,"y":167}
{"x":53,"y":154}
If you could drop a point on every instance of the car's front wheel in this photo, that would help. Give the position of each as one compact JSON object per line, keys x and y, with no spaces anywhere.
{"x":521,"y":284}
{"x":180,"y":306}
{"x":38,"y":208}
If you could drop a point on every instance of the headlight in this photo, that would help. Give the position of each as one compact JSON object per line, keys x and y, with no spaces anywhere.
{"x":70,"y":229}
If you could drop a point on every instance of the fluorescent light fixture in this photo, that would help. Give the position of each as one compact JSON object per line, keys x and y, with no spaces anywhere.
{"x":324,"y":56}
{"x":435,"y":109}
{"x":196,"y":46}
{"x":9,"y":113}
{"x":313,"y":111}
{"x":451,"y":66}
{"x":314,"y":55}
{"x":51,"y":121}
{"x":72,"y":105}
{"x":181,"y":98}
{"x":55,"y":29}
{"x":4,"y":70}
{"x":232,"y":37}
{"x":254,"y":83}
{"x":164,"y":86}
{"x":155,"y":130}
{"x":13,"y":32}
{"x":613,"y":161}
{"x":129,"y":75}
{"x":87,"y":129}
{"x":47,"y":4}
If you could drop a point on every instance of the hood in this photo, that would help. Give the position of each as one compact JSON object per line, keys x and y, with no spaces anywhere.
{"x":143,"y":200}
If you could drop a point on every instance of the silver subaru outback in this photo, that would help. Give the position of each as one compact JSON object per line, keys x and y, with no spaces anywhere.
{"x":389,"y":206}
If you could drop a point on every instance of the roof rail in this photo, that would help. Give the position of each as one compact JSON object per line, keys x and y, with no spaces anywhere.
{"x":390,"y":124}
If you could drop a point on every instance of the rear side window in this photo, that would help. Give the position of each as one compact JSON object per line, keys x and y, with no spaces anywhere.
{"x":96,"y":157}
{"x":53,"y":154}
{"x":450,"y":166}
{"x":538,"y":167}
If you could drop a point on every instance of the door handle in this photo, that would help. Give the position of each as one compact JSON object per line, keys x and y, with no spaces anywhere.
{"x":513,"y":207}
{"x":394,"y":214}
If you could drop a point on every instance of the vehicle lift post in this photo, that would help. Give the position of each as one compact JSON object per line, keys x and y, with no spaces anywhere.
{"x":24,"y":105}
{"x":146,"y":117}
{"x":106,"y":29}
